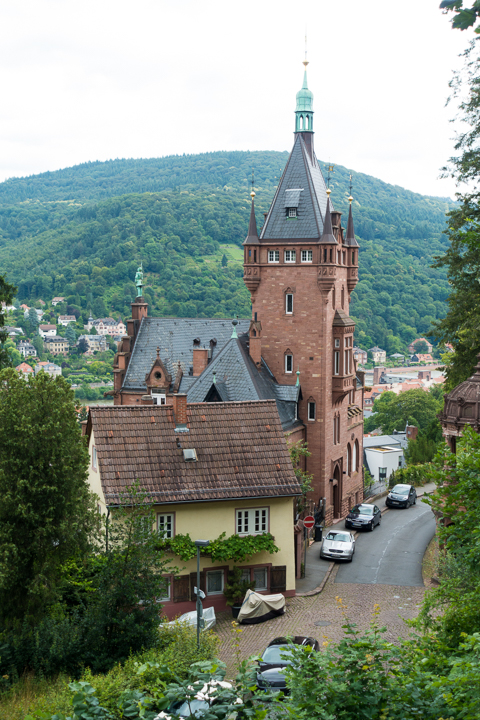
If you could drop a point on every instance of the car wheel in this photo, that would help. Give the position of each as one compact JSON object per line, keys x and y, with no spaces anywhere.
{"x":350,"y":558}
{"x":379,"y":520}
{"x":372,"y":525}
{"x":415,"y":501}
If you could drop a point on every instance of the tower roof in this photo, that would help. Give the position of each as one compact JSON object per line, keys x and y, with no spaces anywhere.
{"x":304,"y":96}
{"x":328,"y":236}
{"x":252,"y":237}
{"x":302,"y":174}
{"x":350,"y":239}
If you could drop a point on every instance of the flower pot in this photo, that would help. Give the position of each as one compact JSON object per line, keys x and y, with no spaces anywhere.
{"x":235,"y":610}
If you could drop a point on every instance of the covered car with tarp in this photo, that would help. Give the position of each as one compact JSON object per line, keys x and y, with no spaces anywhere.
{"x":258,"y":608}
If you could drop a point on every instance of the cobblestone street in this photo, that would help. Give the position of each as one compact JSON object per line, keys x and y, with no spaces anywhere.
{"x":304,"y":613}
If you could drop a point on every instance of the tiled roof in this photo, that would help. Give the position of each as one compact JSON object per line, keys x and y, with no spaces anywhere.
{"x":241,"y":451}
{"x":310,"y":197}
{"x":237,"y":379}
{"x":174,"y":337}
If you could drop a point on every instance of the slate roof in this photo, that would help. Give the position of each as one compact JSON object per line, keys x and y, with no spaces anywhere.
{"x":241,"y":451}
{"x":237,"y":378}
{"x":174,"y":337}
{"x":305,"y":177}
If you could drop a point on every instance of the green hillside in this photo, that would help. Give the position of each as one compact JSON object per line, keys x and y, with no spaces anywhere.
{"x":81,"y":232}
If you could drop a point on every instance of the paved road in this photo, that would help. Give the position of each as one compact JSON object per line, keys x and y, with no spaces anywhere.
{"x":392,"y":554}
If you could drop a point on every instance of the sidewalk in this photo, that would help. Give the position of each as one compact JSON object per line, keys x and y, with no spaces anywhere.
{"x":318,"y":570}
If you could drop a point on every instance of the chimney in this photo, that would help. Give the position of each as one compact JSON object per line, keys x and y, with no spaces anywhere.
{"x":200,"y":360}
{"x":378,"y":371}
{"x":255,"y":341}
{"x":180,"y":412}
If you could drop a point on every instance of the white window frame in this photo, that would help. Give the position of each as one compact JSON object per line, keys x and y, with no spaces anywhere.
{"x":311,"y":411}
{"x":290,"y":256}
{"x":252,"y":521}
{"x":94,"y":458}
{"x":337,"y":342}
{"x":336,"y":362}
{"x":159,"y":398}
{"x":221,"y":574}
{"x":167,"y":596}
{"x":168,"y":524}
{"x":289,"y":363}
{"x":274,"y":256}
{"x":289,"y":300}
{"x":264,"y":570}
{"x":307,"y":256}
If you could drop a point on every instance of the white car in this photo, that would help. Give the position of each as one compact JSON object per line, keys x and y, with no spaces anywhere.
{"x":338,"y":545}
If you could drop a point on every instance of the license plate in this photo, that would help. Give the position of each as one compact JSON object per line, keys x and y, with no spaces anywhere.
{"x":356,"y":524}
{"x":394,"y":502}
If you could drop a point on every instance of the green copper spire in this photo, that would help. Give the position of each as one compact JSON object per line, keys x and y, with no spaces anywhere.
{"x":304,"y":109}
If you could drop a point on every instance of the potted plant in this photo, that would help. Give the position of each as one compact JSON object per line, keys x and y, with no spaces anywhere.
{"x":235,"y":590}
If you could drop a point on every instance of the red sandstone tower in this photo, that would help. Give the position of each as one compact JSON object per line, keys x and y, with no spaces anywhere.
{"x":300,"y":272}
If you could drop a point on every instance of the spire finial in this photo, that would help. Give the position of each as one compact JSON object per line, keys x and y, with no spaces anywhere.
{"x":350,"y":199}
{"x":330,"y":170}
{"x":158,"y":353}
{"x":252,"y":194}
{"x":305,"y":62}
{"x":234,"y":331}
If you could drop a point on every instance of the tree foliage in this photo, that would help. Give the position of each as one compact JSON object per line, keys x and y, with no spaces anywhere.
{"x":47,"y":512}
{"x":7,"y":293}
{"x":464,"y":17}
{"x":415,"y":407}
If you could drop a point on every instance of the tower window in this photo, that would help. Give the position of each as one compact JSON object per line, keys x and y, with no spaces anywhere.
{"x":336,"y":362}
{"x":307,"y":256}
{"x":288,"y":363}
{"x":289,"y":303}
{"x":273,"y":256}
{"x":292,"y":212}
{"x":311,"y":411}
{"x":290,"y":256}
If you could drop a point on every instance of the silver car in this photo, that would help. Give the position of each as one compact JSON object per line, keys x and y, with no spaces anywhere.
{"x":338,"y":545}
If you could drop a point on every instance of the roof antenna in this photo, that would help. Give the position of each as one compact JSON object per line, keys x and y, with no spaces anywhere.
{"x":351,"y":187}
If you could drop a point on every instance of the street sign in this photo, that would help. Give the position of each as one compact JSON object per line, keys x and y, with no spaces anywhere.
{"x":309,"y":521}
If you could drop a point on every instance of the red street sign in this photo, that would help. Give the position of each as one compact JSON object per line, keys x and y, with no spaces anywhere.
{"x":309,"y":521}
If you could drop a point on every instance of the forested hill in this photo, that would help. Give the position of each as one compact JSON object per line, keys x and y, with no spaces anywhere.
{"x":81,"y":231}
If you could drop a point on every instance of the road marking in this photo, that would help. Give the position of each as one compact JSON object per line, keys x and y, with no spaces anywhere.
{"x":401,"y":527}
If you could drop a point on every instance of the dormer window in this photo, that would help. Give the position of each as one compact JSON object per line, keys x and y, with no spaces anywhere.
{"x":292,"y":212}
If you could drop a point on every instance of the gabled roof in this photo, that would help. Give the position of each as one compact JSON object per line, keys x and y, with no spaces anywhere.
{"x":235,"y":377}
{"x":174,"y":337}
{"x":303,"y":176}
{"x":241,"y":452}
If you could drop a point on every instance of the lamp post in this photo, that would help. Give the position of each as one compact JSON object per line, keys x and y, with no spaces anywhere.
{"x":199,"y":544}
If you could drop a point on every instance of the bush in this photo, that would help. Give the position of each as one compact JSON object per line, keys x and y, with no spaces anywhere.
{"x":412,"y":475}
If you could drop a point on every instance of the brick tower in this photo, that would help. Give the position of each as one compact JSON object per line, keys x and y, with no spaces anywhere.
{"x":300,"y":272}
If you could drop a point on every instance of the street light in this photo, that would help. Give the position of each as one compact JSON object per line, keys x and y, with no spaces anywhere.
{"x":199,"y":544}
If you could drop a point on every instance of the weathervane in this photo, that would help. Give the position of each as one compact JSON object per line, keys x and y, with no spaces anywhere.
{"x":330,"y":171}
{"x":305,"y":62}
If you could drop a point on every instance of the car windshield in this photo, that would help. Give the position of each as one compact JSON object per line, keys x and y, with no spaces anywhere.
{"x":401,"y":489}
{"x":338,"y":537}
{"x":276,"y":654}
{"x":363,"y":509}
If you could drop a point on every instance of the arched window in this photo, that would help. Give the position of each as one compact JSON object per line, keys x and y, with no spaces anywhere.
{"x":301,"y":122}
{"x":355,"y":457}
{"x":306,"y":122}
{"x":349,"y":460}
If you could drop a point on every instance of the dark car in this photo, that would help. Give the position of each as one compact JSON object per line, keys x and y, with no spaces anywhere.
{"x":363,"y":516}
{"x":271,"y":670}
{"x":401,"y":496}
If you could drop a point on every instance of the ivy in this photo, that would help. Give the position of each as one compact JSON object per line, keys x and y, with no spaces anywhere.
{"x":237,"y":548}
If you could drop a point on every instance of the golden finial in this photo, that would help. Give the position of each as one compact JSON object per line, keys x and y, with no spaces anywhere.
{"x":305,"y":62}
{"x":252,"y":194}
{"x":350,"y":199}
{"x":328,"y":192}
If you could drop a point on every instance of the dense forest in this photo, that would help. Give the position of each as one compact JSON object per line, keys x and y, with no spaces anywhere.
{"x":82,"y":232}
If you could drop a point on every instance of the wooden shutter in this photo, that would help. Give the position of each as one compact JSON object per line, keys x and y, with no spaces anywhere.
{"x":193,"y":584}
{"x":278,"y":578}
{"x":181,"y":588}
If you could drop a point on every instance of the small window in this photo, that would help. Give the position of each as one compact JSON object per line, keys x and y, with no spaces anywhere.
{"x":292,"y":212}
{"x":159,"y":399}
{"x":273,"y":256}
{"x":337,"y":363}
{"x":290,"y":256}
{"x":289,"y":303}
{"x":311,"y":411}
{"x":215,"y":582}
{"x":382,"y":474}
{"x":260,"y":578}
{"x":337,"y":342}
{"x":252,"y":522}
{"x":94,"y":458}
{"x":166,"y":590}
{"x":307,"y":255}
{"x":165,"y":524}
{"x":288,"y":363}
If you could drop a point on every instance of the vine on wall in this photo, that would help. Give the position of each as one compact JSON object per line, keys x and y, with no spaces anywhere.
{"x":237,"y":548}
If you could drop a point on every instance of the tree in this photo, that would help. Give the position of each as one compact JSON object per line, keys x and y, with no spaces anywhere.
{"x":70,"y":334}
{"x":33,"y":321}
{"x":224,"y":260}
{"x":461,"y":325}
{"x":82,"y":346}
{"x":37,"y":343}
{"x":421,"y":347}
{"x":463,"y":17}
{"x":415,"y":407}
{"x":47,"y":511}
{"x":298,"y":451}
{"x":6,"y":294}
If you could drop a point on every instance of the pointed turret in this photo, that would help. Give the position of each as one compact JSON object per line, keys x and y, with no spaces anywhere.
{"x":350,"y":240}
{"x":328,"y":236}
{"x":304,"y":108}
{"x":252,"y":237}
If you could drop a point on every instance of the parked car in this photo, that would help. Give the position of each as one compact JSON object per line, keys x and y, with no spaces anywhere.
{"x":338,"y":545}
{"x":401,"y":496}
{"x":363,"y":515}
{"x":275,"y":659}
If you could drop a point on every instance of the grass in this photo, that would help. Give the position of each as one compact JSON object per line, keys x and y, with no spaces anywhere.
{"x":32,"y":694}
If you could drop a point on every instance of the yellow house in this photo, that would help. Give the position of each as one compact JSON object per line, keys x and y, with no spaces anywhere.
{"x":210,"y":468}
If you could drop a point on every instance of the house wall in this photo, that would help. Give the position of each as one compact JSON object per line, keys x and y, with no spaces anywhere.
{"x":377,"y":459}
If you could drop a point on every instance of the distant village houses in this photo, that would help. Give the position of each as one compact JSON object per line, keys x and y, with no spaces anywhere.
{"x":26,"y":349}
{"x":57,"y":300}
{"x":360,"y":356}
{"x":66,"y":319}
{"x":106,"y":326}
{"x":25,"y":369}
{"x":50,"y":368}
{"x":411,"y":347}
{"x":47,"y":330}
{"x":378,"y":355}
{"x":96,"y":343}
{"x":56,"y":345}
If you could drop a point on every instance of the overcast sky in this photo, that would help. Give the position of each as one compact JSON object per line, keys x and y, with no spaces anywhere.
{"x":102,"y":79}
